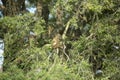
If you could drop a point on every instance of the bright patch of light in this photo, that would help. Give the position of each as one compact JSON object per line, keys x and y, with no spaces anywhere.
{"x":31,"y":10}
{"x":116,"y":47}
{"x":0,"y":2}
{"x":1,"y":51}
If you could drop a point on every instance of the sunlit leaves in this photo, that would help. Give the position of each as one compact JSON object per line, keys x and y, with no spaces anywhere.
{"x":93,"y":6}
{"x":99,"y":32}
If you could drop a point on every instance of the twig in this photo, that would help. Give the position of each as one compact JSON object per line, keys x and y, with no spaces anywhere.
{"x":66,"y":29}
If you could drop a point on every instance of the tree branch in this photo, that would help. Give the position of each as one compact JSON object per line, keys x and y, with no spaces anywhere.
{"x":66,"y":29}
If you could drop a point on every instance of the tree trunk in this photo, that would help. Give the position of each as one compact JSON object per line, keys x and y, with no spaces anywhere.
{"x":21,"y":5}
{"x":13,"y":7}
{"x":42,"y":10}
{"x":10,"y":7}
{"x":39,"y":8}
{"x":45,"y":13}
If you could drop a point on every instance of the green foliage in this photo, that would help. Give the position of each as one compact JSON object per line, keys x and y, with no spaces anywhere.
{"x":13,"y":73}
{"x":31,"y":57}
{"x":18,"y":28}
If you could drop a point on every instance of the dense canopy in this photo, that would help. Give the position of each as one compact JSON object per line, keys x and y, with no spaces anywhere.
{"x":60,"y":39}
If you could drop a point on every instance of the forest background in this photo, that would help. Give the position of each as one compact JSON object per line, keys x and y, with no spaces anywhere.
{"x":61,"y":39}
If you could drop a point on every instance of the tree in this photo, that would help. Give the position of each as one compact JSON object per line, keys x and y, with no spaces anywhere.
{"x":13,"y":7}
{"x":88,"y":35}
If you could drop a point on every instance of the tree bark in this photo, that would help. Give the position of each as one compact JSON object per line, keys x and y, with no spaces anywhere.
{"x":13,"y":7}
{"x":21,"y":5}
{"x":39,"y":6}
{"x":42,"y":10}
